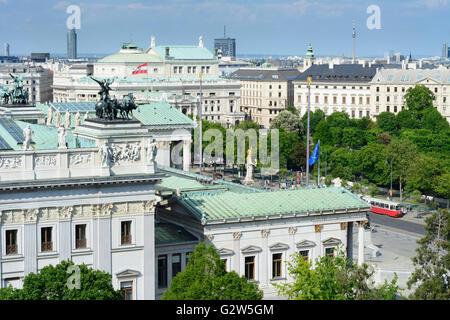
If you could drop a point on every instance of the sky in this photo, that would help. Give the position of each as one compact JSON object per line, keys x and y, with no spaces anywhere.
{"x":268,"y":27}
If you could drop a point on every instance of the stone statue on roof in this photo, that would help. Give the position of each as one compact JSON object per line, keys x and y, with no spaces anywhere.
{"x":67,"y":119}
{"x":152,"y":150}
{"x":62,"y":138}
{"x":49,"y":116}
{"x":58,"y":118}
{"x":77,"y":119}
{"x":18,"y":95}
{"x":249,"y":166}
{"x":28,"y":134}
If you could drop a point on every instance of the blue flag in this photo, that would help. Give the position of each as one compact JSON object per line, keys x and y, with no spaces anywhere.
{"x":315,"y":155}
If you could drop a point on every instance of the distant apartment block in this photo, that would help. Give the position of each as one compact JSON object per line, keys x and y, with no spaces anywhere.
{"x":265,"y":92}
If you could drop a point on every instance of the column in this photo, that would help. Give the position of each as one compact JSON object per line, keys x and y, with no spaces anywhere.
{"x":361,"y":242}
{"x":149,"y":256}
{"x":350,"y":240}
{"x":163,"y":155}
{"x":186,"y":154}
{"x":237,"y":252}
{"x":104,"y":244}
{"x":318,"y":251}
{"x":265,"y":275}
{"x":30,"y":245}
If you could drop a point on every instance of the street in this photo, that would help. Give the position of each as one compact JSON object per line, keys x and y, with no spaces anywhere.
{"x":396,"y":223}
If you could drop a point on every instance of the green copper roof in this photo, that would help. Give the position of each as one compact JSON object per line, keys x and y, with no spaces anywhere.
{"x":309,"y":52}
{"x":184,"y":52}
{"x":125,"y":57}
{"x":175,"y":182}
{"x":45,"y":138}
{"x":229,"y":205}
{"x":161,"y":114}
{"x":168,"y":233}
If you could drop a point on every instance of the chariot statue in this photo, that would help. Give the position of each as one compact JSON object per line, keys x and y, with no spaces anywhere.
{"x":112,"y":109}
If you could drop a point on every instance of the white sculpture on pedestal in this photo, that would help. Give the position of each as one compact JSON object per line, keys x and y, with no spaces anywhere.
{"x":86,"y":116}
{"x":77,"y":119}
{"x":151,"y":150}
{"x":62,"y":138}
{"x":105,"y":155}
{"x":28,"y":133}
{"x":49,"y":116}
{"x":249,"y":166}
{"x":67,"y":119}
{"x":200,"y":41}
{"x":58,"y":118}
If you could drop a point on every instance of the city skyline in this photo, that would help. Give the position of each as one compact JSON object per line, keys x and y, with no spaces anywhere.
{"x":259,"y":27}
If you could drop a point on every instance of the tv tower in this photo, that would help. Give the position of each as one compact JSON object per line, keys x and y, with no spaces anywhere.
{"x":354,"y":37}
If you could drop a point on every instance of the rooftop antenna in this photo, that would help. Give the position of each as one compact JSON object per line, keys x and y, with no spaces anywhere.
{"x":353,"y":36}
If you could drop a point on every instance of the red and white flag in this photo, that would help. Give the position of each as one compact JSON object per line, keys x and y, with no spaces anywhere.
{"x":141,"y":69}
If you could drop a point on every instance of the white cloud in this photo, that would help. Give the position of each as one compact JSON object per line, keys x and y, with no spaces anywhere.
{"x":60,"y":5}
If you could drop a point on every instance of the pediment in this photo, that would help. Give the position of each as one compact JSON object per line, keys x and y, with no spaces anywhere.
{"x":305,"y":244}
{"x":128,"y":273}
{"x":278,"y":246}
{"x":331,"y":241}
{"x":225,"y":252}
{"x":427,"y":80}
{"x":251,"y":249}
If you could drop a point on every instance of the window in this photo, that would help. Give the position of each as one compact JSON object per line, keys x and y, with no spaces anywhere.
{"x":344,"y":100}
{"x":305,"y":254}
{"x":180,"y":69}
{"x":388,"y":109}
{"x":188,"y":69}
{"x":326,"y":99}
{"x":194,"y":69}
{"x":175,"y":69}
{"x":176,"y":264}
{"x":46,"y":239}
{"x":162,"y":271}
{"x":329,"y":252}
{"x":250,"y":268}
{"x":11,"y":242}
{"x":395,"y":108}
{"x":378,"y":89}
{"x":276,"y":265}
{"x":388,"y":89}
{"x":80,"y":236}
{"x":367,"y":100}
{"x":127,"y":289}
{"x":317,"y":99}
{"x":125,"y":232}
{"x":334,"y":100}
{"x":353,"y":100}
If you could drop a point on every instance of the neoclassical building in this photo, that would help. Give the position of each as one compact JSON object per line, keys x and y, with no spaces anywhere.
{"x":389,"y":86}
{"x":336,"y":87}
{"x":109,"y":195}
{"x":265,"y":92}
{"x":171,"y":70}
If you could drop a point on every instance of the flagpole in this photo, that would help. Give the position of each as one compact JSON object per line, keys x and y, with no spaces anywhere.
{"x":307,"y":133}
{"x":318,"y":164}
{"x":200,"y":120}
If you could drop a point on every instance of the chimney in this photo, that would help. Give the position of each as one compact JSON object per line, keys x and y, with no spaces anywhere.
{"x":152,"y":43}
{"x":167,"y":53}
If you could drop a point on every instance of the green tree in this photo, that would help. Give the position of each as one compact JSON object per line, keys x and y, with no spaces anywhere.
{"x":51,"y":284}
{"x":433,"y":120}
{"x":387,"y":121}
{"x":205,"y":278}
{"x":403,"y":154}
{"x":323,"y":134}
{"x":314,"y":118}
{"x":419,"y":98}
{"x":407,"y":119}
{"x":293,"y":110}
{"x":297,"y":158}
{"x":423,"y":173}
{"x":371,"y":161}
{"x":353,"y":137}
{"x":333,"y":279}
{"x":432,"y":261}
{"x":442,"y":186}
{"x":383,"y":138}
{"x":288,"y":121}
